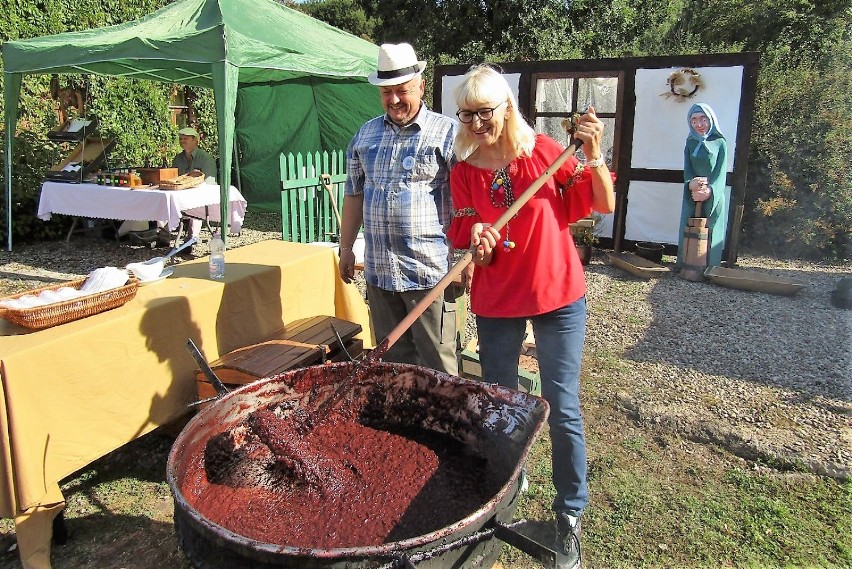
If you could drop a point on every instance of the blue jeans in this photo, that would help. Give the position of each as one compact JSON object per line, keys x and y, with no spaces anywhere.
{"x":559,"y":338}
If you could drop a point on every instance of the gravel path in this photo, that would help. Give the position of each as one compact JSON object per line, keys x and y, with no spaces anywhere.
{"x":41,"y":264}
{"x":767,"y":377}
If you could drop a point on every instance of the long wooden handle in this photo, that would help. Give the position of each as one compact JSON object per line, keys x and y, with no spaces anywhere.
{"x":459,"y":266}
{"x":325,"y":180}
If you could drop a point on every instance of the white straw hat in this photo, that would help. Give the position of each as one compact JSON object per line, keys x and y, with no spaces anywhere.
{"x":397,"y":64}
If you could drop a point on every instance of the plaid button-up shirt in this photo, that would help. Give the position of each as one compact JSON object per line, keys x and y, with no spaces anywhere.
{"x":403,"y":173}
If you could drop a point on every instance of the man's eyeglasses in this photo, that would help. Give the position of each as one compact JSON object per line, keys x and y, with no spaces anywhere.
{"x":484,"y":114}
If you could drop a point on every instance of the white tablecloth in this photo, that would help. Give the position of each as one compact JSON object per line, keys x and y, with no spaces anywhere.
{"x":107,"y":202}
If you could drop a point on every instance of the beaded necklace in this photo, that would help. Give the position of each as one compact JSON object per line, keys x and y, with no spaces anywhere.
{"x":501,"y":189}
{"x":502,"y":195}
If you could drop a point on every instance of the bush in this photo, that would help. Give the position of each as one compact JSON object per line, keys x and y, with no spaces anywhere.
{"x":33,"y":152}
{"x":800,"y":188}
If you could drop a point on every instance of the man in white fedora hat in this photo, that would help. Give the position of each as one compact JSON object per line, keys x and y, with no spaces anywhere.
{"x":398,"y":187}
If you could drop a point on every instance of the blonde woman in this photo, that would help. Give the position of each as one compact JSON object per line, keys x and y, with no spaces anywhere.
{"x":529,"y":270}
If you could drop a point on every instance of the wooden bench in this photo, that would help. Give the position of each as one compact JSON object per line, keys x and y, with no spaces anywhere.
{"x":302,"y":343}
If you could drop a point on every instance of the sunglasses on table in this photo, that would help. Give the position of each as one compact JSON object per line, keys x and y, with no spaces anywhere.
{"x":484,"y":114}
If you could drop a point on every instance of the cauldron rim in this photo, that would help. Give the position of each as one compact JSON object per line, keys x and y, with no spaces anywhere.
{"x":234,"y":540}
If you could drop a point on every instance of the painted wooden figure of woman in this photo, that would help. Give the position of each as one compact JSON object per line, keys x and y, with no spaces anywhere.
{"x":705,"y":164}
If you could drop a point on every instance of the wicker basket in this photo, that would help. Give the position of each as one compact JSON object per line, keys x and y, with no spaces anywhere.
{"x":40,"y":317}
{"x":190,"y":180}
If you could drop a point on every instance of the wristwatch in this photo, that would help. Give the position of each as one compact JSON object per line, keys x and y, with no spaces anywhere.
{"x":596,"y":163}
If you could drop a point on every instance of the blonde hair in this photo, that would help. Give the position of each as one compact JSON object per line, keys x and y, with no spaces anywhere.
{"x":483,"y":86}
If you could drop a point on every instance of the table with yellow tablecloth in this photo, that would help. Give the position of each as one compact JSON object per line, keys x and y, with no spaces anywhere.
{"x":75,"y":392}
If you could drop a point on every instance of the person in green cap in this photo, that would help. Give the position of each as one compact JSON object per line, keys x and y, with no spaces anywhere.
{"x":190,"y":158}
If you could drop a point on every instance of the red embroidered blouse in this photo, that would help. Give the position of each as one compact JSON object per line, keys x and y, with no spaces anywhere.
{"x":543,"y":272}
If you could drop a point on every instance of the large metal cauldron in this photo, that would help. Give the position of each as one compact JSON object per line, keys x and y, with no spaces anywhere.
{"x":497,"y":423}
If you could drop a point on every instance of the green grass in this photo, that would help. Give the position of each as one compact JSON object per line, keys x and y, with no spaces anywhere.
{"x":659,"y":505}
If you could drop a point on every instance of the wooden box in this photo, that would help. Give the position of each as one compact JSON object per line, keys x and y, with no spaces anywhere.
{"x":470,"y":368}
{"x":89,"y":155}
{"x":305,"y":342}
{"x":152,"y":176}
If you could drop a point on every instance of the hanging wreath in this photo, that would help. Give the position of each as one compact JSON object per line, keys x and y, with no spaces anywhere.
{"x":683,"y":84}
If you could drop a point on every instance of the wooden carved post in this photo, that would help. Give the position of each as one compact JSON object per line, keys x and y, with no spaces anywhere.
{"x":695,"y":236}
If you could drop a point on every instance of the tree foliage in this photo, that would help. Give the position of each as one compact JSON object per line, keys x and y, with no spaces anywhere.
{"x":343,"y":14}
{"x":800,"y":182}
{"x":799,"y":191}
{"x":802,"y":27}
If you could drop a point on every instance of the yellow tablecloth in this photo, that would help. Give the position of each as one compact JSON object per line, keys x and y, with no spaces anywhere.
{"x":73,"y":393}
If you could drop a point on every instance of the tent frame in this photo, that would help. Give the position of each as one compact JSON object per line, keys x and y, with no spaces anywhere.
{"x":223,"y":44}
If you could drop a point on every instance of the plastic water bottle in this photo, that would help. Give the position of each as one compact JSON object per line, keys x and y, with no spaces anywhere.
{"x":217,"y":257}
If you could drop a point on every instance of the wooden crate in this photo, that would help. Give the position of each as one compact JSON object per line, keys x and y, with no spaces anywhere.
{"x":470,"y":368}
{"x":153,"y":176}
{"x":305,"y":342}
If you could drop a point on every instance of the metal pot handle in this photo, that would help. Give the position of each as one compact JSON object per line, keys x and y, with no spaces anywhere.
{"x":206,"y":370}
{"x":504,"y":532}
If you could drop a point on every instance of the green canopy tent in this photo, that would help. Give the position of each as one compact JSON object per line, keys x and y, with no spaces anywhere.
{"x":299,"y":81}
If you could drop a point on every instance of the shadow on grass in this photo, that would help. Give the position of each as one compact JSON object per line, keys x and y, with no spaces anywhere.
{"x":118,"y":511}
{"x":813,"y":332}
{"x":119,"y":541}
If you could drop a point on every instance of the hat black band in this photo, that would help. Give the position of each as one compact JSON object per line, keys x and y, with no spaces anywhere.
{"x":397,"y":72}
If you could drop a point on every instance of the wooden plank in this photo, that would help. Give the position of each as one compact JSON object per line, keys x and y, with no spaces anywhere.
{"x":291,"y":329}
{"x":310,"y":199}
{"x":205,"y":391}
{"x":636,"y":265}
{"x":320,"y":333}
{"x":753,"y":280}
{"x":471,"y":368}
{"x":261,"y":359}
{"x":298,"y":344}
{"x":316,"y":330}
